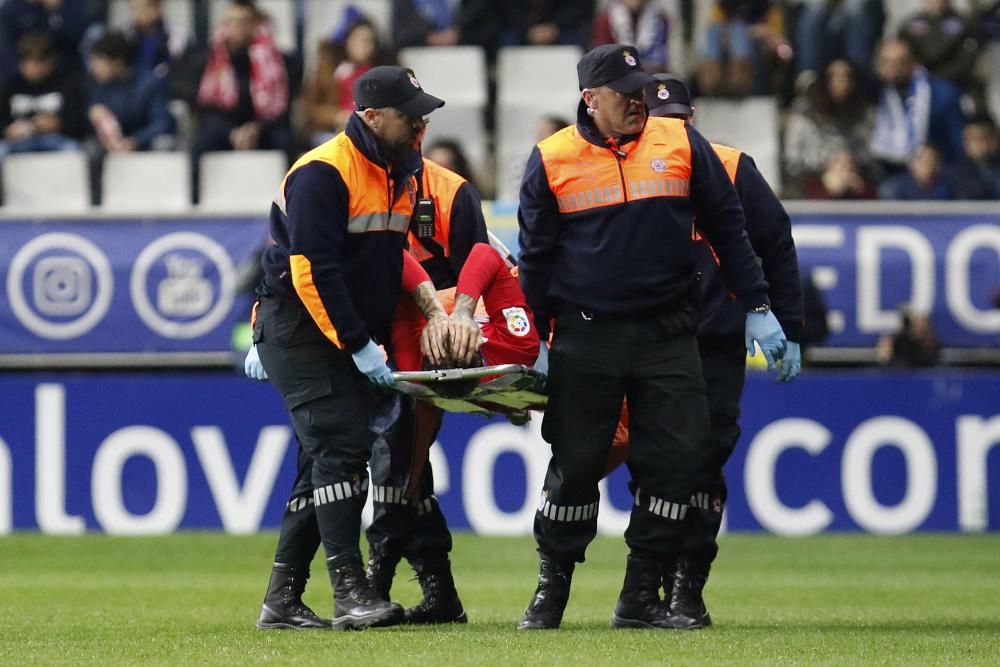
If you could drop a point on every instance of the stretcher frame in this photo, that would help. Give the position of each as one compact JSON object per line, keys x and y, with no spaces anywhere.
{"x":511,"y":391}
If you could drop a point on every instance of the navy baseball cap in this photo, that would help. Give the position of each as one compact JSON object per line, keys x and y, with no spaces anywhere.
{"x":396,"y":87}
{"x":616,"y":66}
{"x":668,"y":96}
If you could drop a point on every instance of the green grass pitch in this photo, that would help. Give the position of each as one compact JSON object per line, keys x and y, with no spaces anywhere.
{"x":193,"y":599}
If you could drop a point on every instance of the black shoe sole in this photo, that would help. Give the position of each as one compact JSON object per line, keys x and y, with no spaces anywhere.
{"x":620,"y":622}
{"x":437,"y":621}
{"x":535,"y":625}
{"x":378,"y":619}
{"x":289,"y":626}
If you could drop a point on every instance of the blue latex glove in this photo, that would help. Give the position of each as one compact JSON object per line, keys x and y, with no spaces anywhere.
{"x":542,"y":362}
{"x":764,"y":328}
{"x":252,"y":366}
{"x":371,"y":361}
{"x":791,"y":363}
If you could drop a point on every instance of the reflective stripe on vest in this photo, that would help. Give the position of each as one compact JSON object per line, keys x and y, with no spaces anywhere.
{"x":583,"y":176}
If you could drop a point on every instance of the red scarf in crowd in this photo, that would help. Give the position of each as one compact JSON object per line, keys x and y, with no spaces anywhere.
{"x":268,"y":78}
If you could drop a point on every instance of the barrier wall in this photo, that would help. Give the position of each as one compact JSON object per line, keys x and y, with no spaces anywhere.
{"x":153,"y":453}
{"x":167,"y":286}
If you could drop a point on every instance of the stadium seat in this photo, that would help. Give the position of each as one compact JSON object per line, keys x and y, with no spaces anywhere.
{"x":457,"y":75}
{"x":323,"y":16}
{"x":240,"y":182}
{"x":281,"y":13}
{"x":178,"y":15}
{"x":750,"y":124}
{"x":532,"y":81}
{"x":146,"y":183}
{"x":46,"y":184}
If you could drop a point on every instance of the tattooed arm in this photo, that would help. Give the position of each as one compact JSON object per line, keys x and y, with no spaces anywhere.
{"x":465,"y":335}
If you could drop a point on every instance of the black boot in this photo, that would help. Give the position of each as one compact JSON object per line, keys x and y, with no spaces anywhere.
{"x":440,"y":603}
{"x":283,"y":606}
{"x":355,"y":604}
{"x":381,"y":571}
{"x":689,"y":582}
{"x":545,"y":611}
{"x":639,"y":605}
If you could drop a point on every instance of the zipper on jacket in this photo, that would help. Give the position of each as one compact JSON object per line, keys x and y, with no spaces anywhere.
{"x":619,"y":155}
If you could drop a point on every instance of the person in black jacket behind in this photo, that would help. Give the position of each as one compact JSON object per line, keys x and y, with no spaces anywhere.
{"x":721,"y":345}
{"x":606,"y":215}
{"x":41,"y":110}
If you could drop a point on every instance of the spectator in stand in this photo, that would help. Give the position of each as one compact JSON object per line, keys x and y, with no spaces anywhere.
{"x":154,"y":45}
{"x":841,"y":179}
{"x":41,"y":109}
{"x":923,"y":179}
{"x":243,"y":95}
{"x":549,"y":125}
{"x":128,"y":106}
{"x":828,"y":30}
{"x":641,"y":23}
{"x":65,"y":21}
{"x":944,"y":41}
{"x":352,"y":50}
{"x":913,"y":109}
{"x":978,"y":175}
{"x":915,"y":345}
{"x":449,"y":154}
{"x":742,"y":39}
{"x":479,"y":25}
{"x":545,"y":22}
{"x":423,"y":23}
{"x":832,"y":116}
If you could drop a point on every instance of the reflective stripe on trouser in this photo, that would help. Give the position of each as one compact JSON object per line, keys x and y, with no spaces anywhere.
{"x":339,"y":491}
{"x":394,"y":495}
{"x":661,"y":507}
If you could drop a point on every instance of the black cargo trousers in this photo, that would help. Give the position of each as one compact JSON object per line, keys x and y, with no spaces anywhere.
{"x":596,"y":361}
{"x":723,"y":361}
{"x":330,"y":404}
{"x":407,"y":521}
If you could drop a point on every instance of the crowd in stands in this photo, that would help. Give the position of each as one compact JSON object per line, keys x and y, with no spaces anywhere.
{"x":867,"y":112}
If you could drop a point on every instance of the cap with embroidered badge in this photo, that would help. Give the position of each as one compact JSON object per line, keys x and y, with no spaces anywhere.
{"x":396,"y":87}
{"x":668,"y":96}
{"x":616,"y":66}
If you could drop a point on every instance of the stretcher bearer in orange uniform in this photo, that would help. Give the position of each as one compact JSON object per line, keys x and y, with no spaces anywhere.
{"x":332,"y":279}
{"x":606,"y":213}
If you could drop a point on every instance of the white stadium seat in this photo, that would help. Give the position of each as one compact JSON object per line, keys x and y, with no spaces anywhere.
{"x":46,"y":183}
{"x":457,"y":75}
{"x":532,"y":81}
{"x":146,"y":183}
{"x":750,"y":124}
{"x":240,"y":182}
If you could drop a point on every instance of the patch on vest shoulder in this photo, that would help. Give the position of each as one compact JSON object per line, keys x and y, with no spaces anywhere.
{"x":659,"y":165}
{"x":517,"y":321}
